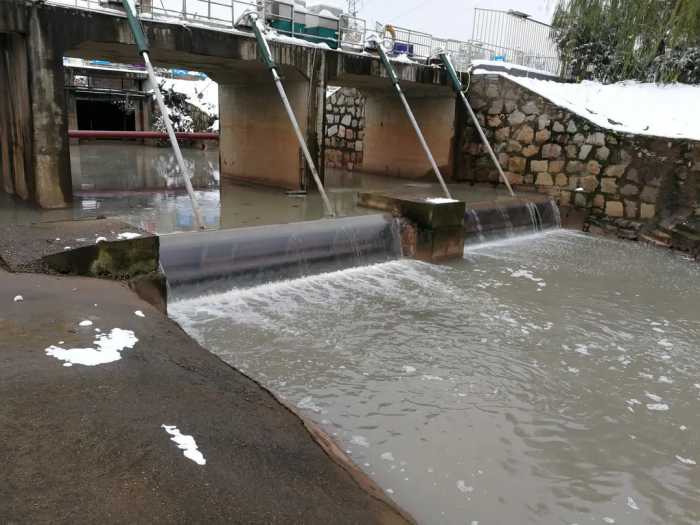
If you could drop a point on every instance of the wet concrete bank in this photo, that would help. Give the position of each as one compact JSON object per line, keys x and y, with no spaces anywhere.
{"x":84,"y":444}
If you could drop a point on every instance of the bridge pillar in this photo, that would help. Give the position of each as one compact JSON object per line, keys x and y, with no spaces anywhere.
{"x":50,"y":150}
{"x":257,"y":143}
{"x":391,"y":146}
{"x":34,"y":154}
{"x":15,"y":117}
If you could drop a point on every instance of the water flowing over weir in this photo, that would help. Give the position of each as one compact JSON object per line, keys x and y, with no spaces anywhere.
{"x":207,"y":262}
{"x":488,"y":221}
{"x":547,"y":378}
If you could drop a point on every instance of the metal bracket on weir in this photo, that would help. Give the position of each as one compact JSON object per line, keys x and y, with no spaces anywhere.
{"x":459,"y":89}
{"x":142,"y":46}
{"x":376,"y":45}
{"x":259,"y":30}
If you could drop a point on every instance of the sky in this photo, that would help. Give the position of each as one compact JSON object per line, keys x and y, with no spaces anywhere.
{"x":442,"y":18}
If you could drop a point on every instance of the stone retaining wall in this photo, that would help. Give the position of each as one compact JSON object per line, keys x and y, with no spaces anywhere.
{"x":544,"y":147}
{"x":345,"y":129}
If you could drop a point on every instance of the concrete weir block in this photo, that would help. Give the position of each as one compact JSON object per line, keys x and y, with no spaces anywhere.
{"x":119,"y":259}
{"x":439,"y":226}
{"x":93,"y":247}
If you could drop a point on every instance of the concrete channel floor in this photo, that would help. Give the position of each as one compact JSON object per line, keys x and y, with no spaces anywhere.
{"x":84,"y":444}
{"x":234,"y":205}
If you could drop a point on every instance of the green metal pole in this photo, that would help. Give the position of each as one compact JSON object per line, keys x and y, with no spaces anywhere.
{"x":142,"y":45}
{"x":457,"y":86}
{"x":395,"y":80}
{"x":270,"y":63}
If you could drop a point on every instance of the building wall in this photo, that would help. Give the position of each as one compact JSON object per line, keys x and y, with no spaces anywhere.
{"x":543,"y":147}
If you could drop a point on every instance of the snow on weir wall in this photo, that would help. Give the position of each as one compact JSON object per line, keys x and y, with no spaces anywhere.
{"x":345,"y":129}
{"x":620,"y":176}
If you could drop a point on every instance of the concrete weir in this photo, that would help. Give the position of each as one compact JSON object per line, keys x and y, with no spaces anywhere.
{"x":436,"y":230}
{"x":506,"y":217}
{"x":433,"y":229}
{"x":204,"y":262}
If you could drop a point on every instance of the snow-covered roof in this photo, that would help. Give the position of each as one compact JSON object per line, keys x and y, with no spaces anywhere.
{"x":661,"y":110}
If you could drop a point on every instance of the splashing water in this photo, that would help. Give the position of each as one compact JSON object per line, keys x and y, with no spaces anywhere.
{"x":523,"y":425}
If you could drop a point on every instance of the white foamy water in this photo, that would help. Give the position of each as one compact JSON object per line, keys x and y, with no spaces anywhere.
{"x":491,"y":404}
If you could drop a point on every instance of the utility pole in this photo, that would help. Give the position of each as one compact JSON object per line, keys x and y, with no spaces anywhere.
{"x":352,"y":7}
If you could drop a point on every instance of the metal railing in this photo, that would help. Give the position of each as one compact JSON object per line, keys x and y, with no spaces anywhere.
{"x":352,"y":32}
{"x":497,"y":35}
{"x":514,"y":37}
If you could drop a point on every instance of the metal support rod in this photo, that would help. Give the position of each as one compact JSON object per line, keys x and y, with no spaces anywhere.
{"x":395,"y":80}
{"x":173,"y":141}
{"x":457,"y":85}
{"x":267,"y":57}
{"x":142,"y":45}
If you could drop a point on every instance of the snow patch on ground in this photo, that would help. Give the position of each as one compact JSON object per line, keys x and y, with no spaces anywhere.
{"x":500,"y":64}
{"x":279,"y":37}
{"x":108,"y":349}
{"x":439,"y":200}
{"x":403,"y":58}
{"x":139,"y":313}
{"x":126,"y":236}
{"x":670,"y":110}
{"x":187,"y":444}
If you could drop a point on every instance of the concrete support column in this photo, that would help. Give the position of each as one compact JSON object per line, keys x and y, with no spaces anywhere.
{"x":15,"y":117}
{"x":72,"y":114}
{"x":257,"y":143}
{"x":50,"y":150}
{"x":391,"y":146}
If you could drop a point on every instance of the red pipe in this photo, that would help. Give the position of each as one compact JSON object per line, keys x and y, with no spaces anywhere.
{"x":89,"y":134}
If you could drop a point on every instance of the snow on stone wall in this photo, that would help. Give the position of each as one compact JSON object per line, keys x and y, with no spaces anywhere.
{"x":548,"y":148}
{"x":660,"y":110}
{"x":345,"y":129}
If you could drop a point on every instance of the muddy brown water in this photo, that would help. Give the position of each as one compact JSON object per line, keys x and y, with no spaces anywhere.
{"x":545,"y":379}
